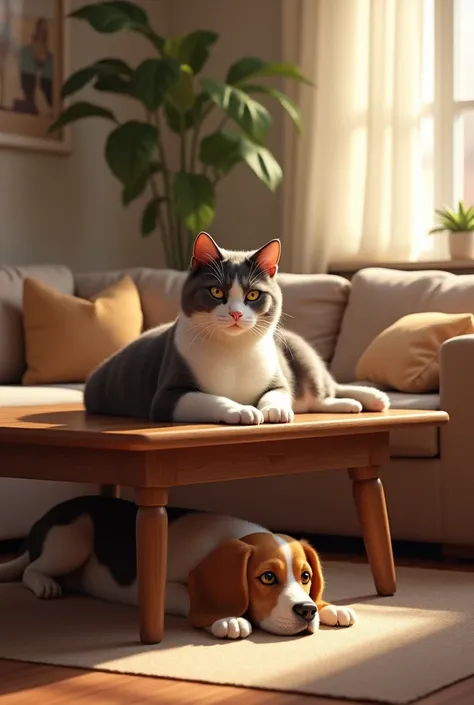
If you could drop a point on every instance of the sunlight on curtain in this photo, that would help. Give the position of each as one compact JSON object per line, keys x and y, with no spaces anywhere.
{"x":358,"y":182}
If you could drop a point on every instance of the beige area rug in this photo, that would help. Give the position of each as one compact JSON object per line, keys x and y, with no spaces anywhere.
{"x":402,"y":647}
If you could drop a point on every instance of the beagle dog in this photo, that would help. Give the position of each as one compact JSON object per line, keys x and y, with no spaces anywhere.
{"x":225,"y":575}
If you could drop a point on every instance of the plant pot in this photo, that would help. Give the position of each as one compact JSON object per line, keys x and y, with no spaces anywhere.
{"x":461,"y":245}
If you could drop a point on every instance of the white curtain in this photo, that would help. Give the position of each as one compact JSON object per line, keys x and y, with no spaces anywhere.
{"x":354,"y":184}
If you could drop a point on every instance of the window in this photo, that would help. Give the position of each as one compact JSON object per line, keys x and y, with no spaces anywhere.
{"x":447,"y":124}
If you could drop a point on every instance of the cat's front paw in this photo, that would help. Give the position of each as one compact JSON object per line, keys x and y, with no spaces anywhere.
{"x":334,"y":616}
{"x":231,"y":628}
{"x":239,"y":414}
{"x":277,"y":414}
{"x":375,"y":400}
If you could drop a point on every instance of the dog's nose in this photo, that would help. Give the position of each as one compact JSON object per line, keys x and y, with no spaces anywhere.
{"x":306,"y":610}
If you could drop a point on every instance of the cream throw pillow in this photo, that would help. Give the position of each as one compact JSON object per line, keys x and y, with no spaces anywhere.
{"x":404,"y":356}
{"x":67,"y":337}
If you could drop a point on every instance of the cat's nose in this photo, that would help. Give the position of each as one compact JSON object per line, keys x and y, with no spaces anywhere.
{"x":235,"y":315}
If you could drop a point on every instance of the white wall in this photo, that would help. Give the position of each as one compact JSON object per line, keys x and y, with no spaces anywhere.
{"x":67,"y":208}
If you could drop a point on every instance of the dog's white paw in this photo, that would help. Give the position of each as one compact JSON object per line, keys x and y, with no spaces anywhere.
{"x":334,"y":616}
{"x":277,"y":414}
{"x":239,"y":414}
{"x":231,"y":628}
{"x":43,"y":586}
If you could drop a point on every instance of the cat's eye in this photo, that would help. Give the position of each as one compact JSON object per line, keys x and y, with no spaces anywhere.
{"x":253,"y":295}
{"x":216,"y":292}
{"x":305,"y":577}
{"x":268,"y":578}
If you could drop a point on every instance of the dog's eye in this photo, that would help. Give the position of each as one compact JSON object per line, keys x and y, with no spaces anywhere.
{"x":305,"y":577}
{"x":268,"y":578}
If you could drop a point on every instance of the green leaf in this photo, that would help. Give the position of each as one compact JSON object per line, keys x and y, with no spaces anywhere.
{"x":194,"y":200}
{"x":114,"y":84}
{"x":251,"y":66}
{"x":252,"y":117}
{"x":153,"y":78}
{"x":113,"y":16}
{"x":131,"y":193}
{"x":181,"y":96}
{"x":129,"y":149}
{"x":100,"y":69}
{"x":78,"y":111}
{"x":175,"y":118}
{"x":115,"y":66}
{"x":150,"y":215}
{"x":286,"y":103}
{"x":78,"y":80}
{"x":191,"y":49}
{"x":221,"y":150}
{"x":262,"y":162}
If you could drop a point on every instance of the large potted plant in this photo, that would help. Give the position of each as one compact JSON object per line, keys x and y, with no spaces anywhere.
{"x":175,"y":96}
{"x":460,"y":226}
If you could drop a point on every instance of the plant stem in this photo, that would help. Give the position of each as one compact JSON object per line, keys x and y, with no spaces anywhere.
{"x":222,"y":123}
{"x":179,"y":224}
{"x":164,"y":232}
{"x":195,"y":137}
{"x":194,"y":143}
{"x":168,"y":194}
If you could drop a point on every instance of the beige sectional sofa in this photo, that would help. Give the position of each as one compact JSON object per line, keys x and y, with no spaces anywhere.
{"x":429,"y":480}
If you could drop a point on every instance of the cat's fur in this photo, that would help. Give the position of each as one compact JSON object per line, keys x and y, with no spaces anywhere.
{"x":226,"y":359}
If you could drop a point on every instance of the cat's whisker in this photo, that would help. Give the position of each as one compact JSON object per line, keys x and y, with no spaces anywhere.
{"x":216,"y":267}
{"x":202,"y":332}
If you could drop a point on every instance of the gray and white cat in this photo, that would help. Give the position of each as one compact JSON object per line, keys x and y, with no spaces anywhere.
{"x":225,"y":359}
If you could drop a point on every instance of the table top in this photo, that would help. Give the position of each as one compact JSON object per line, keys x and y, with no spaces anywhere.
{"x":69,"y":425}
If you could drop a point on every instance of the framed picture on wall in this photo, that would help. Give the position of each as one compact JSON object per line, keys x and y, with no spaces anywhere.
{"x":33,"y":63}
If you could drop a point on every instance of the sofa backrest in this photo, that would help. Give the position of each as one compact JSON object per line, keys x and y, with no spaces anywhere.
{"x":313,"y":303}
{"x":380,"y":296}
{"x":12,"y":348}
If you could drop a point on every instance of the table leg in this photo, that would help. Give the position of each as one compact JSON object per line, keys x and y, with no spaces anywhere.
{"x":152,"y":548}
{"x":371,"y":508}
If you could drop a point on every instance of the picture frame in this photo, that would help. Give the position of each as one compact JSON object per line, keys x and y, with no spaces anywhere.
{"x":34,"y":61}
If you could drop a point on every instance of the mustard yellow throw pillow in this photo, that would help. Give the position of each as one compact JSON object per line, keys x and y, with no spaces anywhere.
{"x":67,"y":337}
{"x":404,"y":356}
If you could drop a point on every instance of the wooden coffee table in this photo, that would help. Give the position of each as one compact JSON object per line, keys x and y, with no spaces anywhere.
{"x":63,"y":443}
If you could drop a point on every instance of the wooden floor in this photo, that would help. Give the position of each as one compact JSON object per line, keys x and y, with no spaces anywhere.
{"x":23,"y":683}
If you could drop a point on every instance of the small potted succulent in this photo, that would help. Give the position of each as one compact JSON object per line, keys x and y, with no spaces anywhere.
{"x":460,"y":226}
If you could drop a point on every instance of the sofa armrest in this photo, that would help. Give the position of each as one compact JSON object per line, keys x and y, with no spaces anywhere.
{"x":457,"y":380}
{"x":457,"y":437}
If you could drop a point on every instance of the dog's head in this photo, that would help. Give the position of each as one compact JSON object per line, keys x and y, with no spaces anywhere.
{"x":273,"y":579}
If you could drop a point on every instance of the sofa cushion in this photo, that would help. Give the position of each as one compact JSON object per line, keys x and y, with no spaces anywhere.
{"x":12,"y":348}
{"x":379,"y":297}
{"x":18,"y":395}
{"x":159,"y":289}
{"x":313,"y":303}
{"x":414,"y":442}
{"x":66,"y":337}
{"x":405,"y":356}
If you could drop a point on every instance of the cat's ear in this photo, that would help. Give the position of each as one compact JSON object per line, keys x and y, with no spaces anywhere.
{"x":268,"y":257}
{"x":205,"y":251}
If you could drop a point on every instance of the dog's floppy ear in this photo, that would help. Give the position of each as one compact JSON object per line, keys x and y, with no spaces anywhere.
{"x":218,"y":586}
{"x":317,"y":583}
